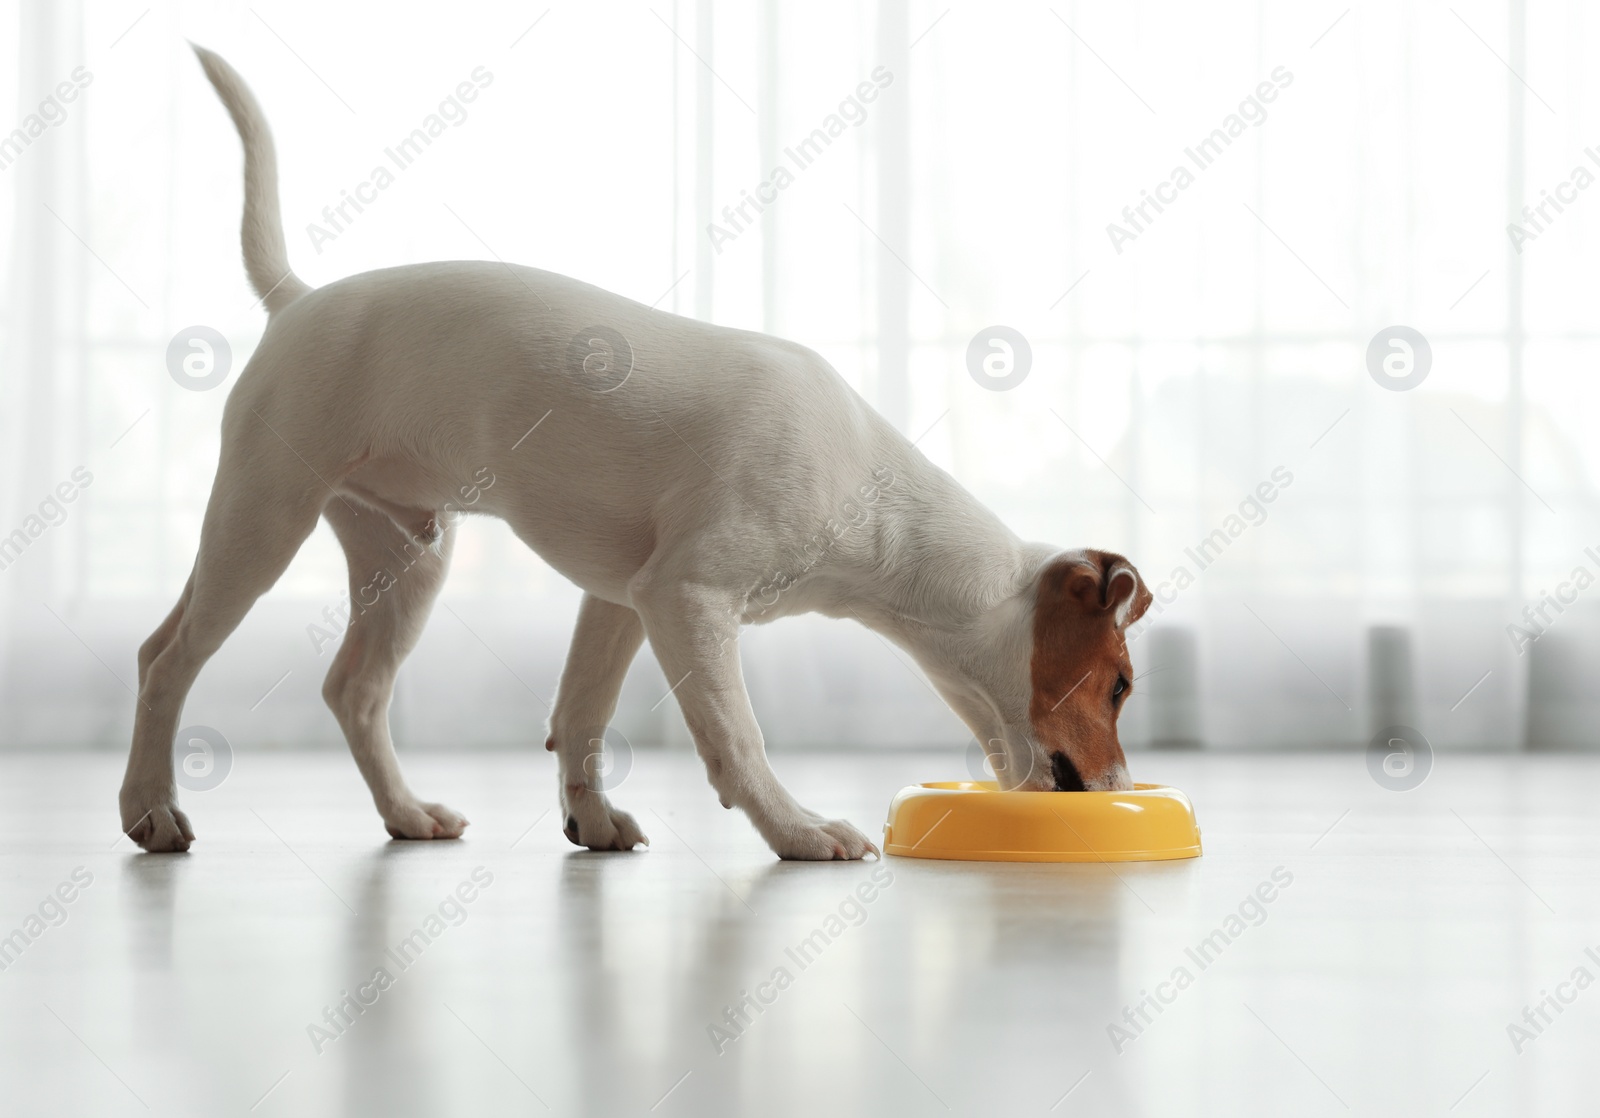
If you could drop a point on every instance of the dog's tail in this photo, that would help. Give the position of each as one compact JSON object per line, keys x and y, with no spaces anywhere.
{"x":266,"y":259}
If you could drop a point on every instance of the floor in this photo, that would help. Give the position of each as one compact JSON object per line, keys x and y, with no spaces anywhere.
{"x":1407,"y":933}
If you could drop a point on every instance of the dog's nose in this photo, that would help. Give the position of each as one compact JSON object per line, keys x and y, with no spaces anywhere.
{"x":1066,"y":773}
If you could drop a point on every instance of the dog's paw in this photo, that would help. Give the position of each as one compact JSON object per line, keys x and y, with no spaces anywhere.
{"x":829,"y":840}
{"x":424,"y":821}
{"x":162,"y":829}
{"x":592,"y":822}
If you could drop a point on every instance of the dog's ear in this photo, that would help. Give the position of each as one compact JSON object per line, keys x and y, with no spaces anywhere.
{"x":1094,"y":582}
{"x":1125,"y":592}
{"x":1070,"y":579}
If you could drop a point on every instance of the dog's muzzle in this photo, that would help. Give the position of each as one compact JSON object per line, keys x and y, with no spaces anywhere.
{"x":1066,"y":774}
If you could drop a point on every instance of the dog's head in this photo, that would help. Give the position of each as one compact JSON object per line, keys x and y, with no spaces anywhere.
{"x":1084,"y":602}
{"x":1076,"y":612}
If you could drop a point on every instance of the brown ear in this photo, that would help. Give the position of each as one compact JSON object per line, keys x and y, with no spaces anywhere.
{"x":1071,"y":579}
{"x":1125,"y":592}
{"x":1095,"y":582}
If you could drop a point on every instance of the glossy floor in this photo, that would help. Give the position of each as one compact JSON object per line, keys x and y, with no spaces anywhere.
{"x":1404,"y":935}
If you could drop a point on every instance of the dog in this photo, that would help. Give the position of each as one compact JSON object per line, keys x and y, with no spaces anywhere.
{"x":688,"y":477}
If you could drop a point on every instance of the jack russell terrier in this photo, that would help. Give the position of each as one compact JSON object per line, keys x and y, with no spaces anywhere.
{"x":676,"y":466}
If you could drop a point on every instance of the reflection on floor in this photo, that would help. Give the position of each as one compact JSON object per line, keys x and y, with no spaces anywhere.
{"x":1418,"y":952}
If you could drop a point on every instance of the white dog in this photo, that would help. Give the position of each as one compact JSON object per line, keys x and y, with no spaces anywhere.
{"x":690,"y":478}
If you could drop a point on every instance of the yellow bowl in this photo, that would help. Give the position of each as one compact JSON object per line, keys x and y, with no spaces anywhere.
{"x":968,"y":820}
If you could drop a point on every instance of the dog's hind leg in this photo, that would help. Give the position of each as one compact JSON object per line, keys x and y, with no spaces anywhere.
{"x":394,"y":579}
{"x":603,"y":645}
{"x":254,"y":524}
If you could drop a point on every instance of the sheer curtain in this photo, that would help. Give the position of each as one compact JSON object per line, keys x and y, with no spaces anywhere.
{"x":1198,"y":221}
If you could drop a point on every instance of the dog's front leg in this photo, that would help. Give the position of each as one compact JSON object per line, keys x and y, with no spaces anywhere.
{"x":695,"y":635}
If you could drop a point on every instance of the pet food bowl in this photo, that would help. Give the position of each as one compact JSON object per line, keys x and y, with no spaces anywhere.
{"x":972,"y":820}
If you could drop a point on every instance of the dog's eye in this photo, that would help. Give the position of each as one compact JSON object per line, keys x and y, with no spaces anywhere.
{"x":1120,"y":689}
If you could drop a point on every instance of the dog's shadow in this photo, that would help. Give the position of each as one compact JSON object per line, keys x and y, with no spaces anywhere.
{"x":640,"y":956}
{"x":150,"y":887}
{"x":391,"y":1065}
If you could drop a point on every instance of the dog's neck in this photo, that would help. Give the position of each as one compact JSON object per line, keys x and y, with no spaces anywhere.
{"x":929,"y":564}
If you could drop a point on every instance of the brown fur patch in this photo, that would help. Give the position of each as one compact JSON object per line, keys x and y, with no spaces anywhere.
{"x":1079,"y":652}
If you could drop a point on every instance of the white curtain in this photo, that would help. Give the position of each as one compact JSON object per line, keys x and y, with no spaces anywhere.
{"x":944,"y":170}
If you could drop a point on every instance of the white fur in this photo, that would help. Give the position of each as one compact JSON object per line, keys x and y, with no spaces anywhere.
{"x":726,"y":459}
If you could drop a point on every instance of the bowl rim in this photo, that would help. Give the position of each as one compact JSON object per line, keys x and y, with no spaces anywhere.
{"x":992,"y":788}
